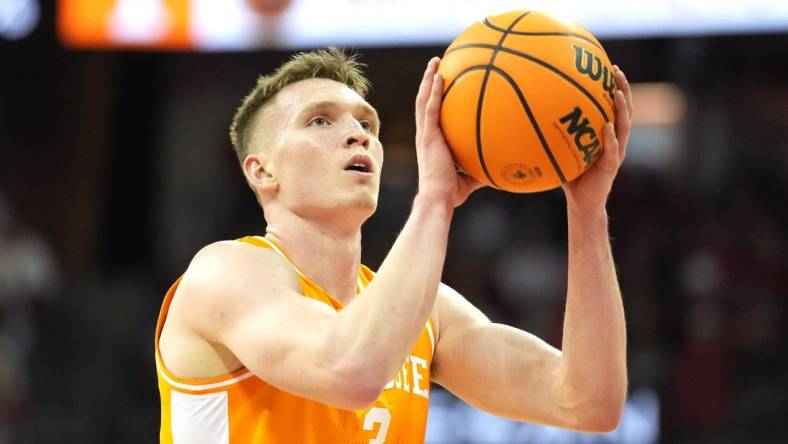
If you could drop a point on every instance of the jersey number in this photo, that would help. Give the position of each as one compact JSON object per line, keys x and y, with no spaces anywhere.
{"x":381,"y":416}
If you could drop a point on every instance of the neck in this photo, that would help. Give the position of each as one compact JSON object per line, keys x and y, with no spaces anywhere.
{"x":327,"y":255}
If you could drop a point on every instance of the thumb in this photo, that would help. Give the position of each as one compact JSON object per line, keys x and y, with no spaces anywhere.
{"x":469,"y":183}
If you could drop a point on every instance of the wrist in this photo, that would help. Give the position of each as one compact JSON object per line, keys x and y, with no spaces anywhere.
{"x":587,"y":219}
{"x":433,"y":202}
{"x":588,"y":209}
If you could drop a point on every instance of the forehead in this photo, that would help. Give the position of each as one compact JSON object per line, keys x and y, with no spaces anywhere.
{"x":302,"y":94}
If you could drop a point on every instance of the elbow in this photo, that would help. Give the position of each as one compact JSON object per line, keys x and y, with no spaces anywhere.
{"x":356,"y":389}
{"x":602,"y":421}
{"x":350,"y":379}
{"x":593,"y":405}
{"x":600,"y":415}
{"x":359,"y":397}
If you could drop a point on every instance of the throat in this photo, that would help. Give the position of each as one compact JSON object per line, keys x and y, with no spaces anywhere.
{"x":341,"y":282}
{"x":331,"y":261}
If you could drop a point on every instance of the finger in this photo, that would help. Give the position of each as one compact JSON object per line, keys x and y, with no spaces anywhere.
{"x":423,"y":94}
{"x":470,"y":183}
{"x":612,"y":156}
{"x":623,"y":123}
{"x":421,"y":97}
{"x":433,"y":108}
{"x":465,"y":186}
{"x":623,"y":85}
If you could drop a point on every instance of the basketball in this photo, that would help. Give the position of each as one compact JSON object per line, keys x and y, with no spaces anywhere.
{"x":526,"y":97}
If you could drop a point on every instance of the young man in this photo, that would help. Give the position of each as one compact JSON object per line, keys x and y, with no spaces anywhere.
{"x":287,"y":338}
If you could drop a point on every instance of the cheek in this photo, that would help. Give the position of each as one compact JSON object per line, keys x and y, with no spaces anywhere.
{"x":303,"y":165}
{"x":310,"y":162}
{"x":377,"y":152}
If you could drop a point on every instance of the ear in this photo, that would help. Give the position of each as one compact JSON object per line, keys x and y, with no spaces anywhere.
{"x":258,"y":174}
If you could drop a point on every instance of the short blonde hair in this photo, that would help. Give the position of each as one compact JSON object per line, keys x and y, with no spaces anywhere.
{"x":331,"y":63}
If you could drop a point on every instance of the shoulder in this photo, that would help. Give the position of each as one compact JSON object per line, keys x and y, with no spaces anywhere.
{"x":226,"y":284}
{"x":223,"y":262}
{"x":225,"y":276}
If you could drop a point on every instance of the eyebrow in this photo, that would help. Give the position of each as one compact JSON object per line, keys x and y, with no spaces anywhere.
{"x":325,"y":104}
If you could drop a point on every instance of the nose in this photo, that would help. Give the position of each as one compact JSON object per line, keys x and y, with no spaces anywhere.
{"x":356,"y":136}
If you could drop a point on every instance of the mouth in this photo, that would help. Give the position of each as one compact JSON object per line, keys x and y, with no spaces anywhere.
{"x":359,"y":163}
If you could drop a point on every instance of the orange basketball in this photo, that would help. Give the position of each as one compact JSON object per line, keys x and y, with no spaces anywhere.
{"x":526,"y":96}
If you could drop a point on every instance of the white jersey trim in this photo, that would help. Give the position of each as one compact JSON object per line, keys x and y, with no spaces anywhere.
{"x":198,"y":387}
{"x":200,"y":419}
{"x":432,"y":338}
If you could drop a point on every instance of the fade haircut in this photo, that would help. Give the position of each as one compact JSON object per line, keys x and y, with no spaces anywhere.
{"x":331,"y":63}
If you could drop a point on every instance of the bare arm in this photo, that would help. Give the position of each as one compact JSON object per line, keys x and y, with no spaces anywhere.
{"x":592,"y":373}
{"x":514,"y":374}
{"x":495,"y":367}
{"x":511,"y":373}
{"x":249,"y":300}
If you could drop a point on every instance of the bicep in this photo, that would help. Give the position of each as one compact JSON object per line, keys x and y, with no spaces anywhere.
{"x":496,"y":368}
{"x":279,"y":339}
{"x":250,"y":304}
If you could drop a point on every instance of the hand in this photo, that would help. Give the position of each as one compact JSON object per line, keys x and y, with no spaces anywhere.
{"x":589,"y":191}
{"x":438,"y":176}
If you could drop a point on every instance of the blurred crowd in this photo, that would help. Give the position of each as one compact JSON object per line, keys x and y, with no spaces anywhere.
{"x":29,"y":278}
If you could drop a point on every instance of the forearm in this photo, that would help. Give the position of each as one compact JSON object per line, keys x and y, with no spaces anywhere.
{"x":381,"y":326}
{"x":593,"y":365}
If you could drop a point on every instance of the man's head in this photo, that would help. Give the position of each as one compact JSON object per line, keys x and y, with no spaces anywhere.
{"x":331,"y":63}
{"x":296,"y":131}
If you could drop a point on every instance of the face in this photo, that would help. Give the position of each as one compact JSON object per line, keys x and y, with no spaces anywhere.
{"x":321,"y":150}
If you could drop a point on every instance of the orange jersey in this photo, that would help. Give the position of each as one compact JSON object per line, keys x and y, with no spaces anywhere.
{"x":240,"y":408}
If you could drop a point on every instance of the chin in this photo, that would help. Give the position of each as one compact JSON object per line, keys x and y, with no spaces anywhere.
{"x":357,"y":208}
{"x":332,"y":201}
{"x":366,"y":204}
{"x":362,"y":205}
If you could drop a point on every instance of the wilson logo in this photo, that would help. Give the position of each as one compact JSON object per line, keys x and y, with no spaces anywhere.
{"x":590,"y":65}
{"x":586,"y":140}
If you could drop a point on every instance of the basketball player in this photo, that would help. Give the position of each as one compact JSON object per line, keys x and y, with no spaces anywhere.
{"x":288,"y":338}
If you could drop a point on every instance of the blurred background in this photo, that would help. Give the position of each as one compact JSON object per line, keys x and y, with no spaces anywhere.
{"x":116,"y":167}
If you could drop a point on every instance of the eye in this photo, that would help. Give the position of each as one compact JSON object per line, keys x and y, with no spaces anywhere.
{"x":319,"y":121}
{"x":367,"y":125}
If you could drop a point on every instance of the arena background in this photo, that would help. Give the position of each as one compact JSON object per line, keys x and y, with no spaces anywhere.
{"x":115,"y":168}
